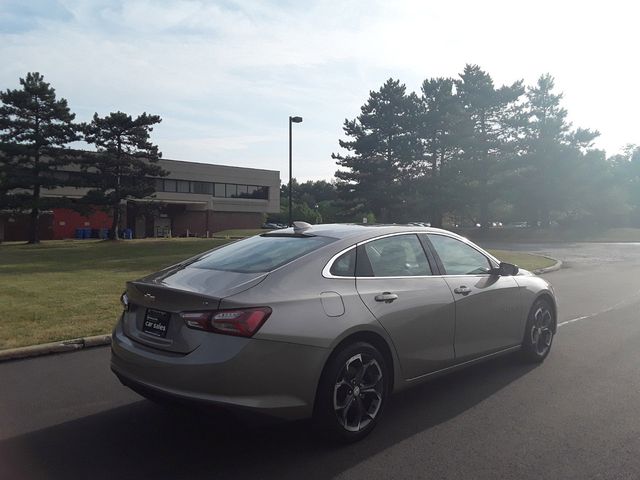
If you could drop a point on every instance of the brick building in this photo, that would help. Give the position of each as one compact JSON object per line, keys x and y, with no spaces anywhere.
{"x":194,"y":199}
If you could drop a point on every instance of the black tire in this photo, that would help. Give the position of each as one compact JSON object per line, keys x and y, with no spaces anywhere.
{"x":355,"y":378}
{"x":539,"y":332}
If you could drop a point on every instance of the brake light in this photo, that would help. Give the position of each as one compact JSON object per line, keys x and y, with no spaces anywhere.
{"x":241,"y":322}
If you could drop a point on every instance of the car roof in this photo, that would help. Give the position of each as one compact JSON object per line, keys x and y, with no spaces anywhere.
{"x":359,"y":231}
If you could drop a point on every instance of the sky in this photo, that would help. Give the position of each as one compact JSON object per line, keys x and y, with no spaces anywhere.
{"x":225,"y":75}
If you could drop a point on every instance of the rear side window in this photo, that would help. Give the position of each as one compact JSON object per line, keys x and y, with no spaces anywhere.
{"x":345,"y":264}
{"x":396,"y":256}
{"x":260,"y":254}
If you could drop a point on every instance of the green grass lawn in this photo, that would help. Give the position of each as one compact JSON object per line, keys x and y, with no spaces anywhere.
{"x":524,"y":260}
{"x":67,"y":289}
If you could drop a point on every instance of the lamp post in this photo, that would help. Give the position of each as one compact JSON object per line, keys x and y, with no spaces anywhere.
{"x":292,"y":120}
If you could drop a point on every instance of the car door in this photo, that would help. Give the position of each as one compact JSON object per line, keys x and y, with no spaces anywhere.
{"x":394,"y":279}
{"x":487,"y":305}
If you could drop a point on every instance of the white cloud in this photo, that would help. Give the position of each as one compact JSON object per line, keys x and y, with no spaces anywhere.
{"x":225,"y":75}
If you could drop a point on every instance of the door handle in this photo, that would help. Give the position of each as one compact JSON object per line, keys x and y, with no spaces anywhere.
{"x":386,"y":297}
{"x":462,"y":290}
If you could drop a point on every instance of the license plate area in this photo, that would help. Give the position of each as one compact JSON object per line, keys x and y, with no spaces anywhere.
{"x":156,"y":323}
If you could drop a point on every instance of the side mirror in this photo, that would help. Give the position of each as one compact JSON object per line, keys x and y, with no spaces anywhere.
{"x":506,"y":269}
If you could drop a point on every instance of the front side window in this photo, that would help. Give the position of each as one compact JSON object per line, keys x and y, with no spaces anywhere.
{"x":458,"y":258}
{"x":397,"y":256}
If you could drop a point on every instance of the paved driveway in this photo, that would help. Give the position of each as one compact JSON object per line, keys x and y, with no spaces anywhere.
{"x":575,"y":416}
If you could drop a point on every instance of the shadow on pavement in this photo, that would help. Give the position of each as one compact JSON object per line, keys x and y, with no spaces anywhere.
{"x":142,"y":440}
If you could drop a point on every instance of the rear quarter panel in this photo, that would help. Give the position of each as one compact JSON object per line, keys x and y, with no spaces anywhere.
{"x":294,"y":294}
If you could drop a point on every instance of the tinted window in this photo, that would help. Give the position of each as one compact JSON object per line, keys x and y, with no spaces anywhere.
{"x":183,"y":186}
{"x":202,"y":187}
{"x":260,"y":254}
{"x":169,"y":185}
{"x":345,"y":264}
{"x":220,"y":190}
{"x":458,"y":258}
{"x":397,"y":256}
{"x":262,"y":193}
{"x":232,"y":190}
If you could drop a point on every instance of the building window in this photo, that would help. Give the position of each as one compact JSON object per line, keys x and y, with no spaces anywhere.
{"x":242,"y":191}
{"x":170,"y":186}
{"x":184,"y":186}
{"x":262,"y":193}
{"x":220,"y":190}
{"x":232,"y":190}
{"x":202,"y":187}
{"x":223,"y":190}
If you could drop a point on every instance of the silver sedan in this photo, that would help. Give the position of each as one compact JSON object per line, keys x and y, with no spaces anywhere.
{"x":326,"y":321}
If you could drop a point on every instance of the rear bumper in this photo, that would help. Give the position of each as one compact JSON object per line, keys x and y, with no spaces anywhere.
{"x":266,"y":377}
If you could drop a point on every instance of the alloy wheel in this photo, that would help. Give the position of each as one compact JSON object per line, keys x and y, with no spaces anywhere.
{"x":358,"y":392}
{"x":541,"y":331}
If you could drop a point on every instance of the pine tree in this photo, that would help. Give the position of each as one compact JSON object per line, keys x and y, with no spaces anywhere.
{"x":489,"y":135}
{"x":35,"y":127}
{"x":383,"y":150}
{"x":551,"y":153}
{"x":125,"y":163}
{"x":439,"y":130}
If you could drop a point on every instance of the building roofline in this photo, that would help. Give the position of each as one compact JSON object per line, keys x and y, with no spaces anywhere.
{"x":188,"y":162}
{"x":219,"y":165}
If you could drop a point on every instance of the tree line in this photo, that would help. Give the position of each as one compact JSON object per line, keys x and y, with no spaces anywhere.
{"x":464,"y":151}
{"x":36,"y":129}
{"x":464,"y":148}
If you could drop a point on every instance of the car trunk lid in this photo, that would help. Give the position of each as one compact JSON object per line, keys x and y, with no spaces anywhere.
{"x":156,"y":301}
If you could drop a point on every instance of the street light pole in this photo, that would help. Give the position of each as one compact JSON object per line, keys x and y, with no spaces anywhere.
{"x":292,"y":120}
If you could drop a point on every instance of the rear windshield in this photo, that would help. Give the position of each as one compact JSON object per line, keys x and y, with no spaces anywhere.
{"x":260,"y":254}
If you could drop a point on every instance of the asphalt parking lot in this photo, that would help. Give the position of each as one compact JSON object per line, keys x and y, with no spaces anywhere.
{"x":575,"y":416}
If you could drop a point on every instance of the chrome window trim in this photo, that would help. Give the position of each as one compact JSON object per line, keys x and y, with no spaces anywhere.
{"x":326,"y":271}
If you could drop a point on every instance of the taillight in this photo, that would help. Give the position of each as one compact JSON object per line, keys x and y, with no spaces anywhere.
{"x":124,"y":300}
{"x":240,"y":322}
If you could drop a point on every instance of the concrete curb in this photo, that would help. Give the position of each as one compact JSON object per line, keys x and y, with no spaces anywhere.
{"x":552,"y":268}
{"x":55,"y":347}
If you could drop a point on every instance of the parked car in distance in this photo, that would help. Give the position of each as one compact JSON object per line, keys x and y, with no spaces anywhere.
{"x":518,"y":225}
{"x":326,"y":321}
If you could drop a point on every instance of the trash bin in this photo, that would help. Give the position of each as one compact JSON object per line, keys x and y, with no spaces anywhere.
{"x":104,"y":233}
{"x":79,"y":233}
{"x":127,"y":234}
